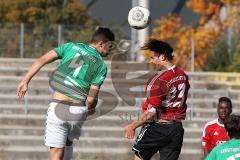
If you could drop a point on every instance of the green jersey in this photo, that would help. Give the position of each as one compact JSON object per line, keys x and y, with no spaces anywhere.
{"x":226,"y":151}
{"x":80,"y":67}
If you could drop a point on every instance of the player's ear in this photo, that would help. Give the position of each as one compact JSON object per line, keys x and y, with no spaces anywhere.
{"x":101,"y":43}
{"x":163,"y":57}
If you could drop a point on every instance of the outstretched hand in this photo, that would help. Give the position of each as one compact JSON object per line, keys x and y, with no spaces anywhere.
{"x":129,"y":131}
{"x":22,"y":89}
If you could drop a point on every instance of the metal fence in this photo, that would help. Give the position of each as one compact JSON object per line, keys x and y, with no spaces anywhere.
{"x":28,"y":41}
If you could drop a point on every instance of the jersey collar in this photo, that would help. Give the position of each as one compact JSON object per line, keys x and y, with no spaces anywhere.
{"x":92,"y":47}
{"x":222,"y":125}
{"x":172,"y":67}
{"x":89,"y":47}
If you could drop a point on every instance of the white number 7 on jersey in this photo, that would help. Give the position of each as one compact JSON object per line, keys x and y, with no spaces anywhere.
{"x":76,"y":65}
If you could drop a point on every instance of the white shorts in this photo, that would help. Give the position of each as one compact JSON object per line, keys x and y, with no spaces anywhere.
{"x":64,"y":121}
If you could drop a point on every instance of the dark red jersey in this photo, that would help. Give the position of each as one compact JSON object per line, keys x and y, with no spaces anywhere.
{"x":167,"y":92}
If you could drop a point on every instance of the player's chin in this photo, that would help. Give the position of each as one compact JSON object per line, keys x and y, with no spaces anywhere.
{"x":152,"y":61}
{"x":223,"y":116}
{"x":105,"y":54}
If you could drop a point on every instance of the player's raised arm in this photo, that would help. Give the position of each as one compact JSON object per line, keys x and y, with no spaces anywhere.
{"x":37,"y":65}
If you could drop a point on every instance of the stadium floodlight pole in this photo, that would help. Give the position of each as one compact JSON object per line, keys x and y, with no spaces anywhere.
{"x":229,"y":38}
{"x":59,"y":34}
{"x":224,"y":13}
{"x":64,"y":2}
{"x":134,"y":47}
{"x":192,"y":70}
{"x":193,"y":54}
{"x":143,"y":34}
{"x":138,"y":37}
{"x":21,"y":40}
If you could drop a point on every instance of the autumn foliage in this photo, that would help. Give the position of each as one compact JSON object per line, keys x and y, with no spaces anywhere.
{"x":205,"y":34}
{"x":42,"y":11}
{"x":41,"y":21}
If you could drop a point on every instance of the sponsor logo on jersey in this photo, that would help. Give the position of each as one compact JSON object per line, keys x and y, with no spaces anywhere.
{"x":215,"y":133}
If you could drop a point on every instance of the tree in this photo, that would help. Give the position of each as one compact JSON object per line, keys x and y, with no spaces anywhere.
{"x":206,"y":33}
{"x":219,"y":60}
{"x":235,"y":65}
{"x":44,"y":12}
{"x":41,"y":19}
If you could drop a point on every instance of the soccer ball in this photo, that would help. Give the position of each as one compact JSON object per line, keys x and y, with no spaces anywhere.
{"x":139,"y":17}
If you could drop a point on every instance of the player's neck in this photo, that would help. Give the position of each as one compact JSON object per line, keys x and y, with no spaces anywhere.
{"x":221,"y":121}
{"x":93,"y":46}
{"x":96,"y":47}
{"x":168,"y":65}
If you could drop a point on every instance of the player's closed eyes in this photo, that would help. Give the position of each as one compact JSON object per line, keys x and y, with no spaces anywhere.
{"x":112,"y":46}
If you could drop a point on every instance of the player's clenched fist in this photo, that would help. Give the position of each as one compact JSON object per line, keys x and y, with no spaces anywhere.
{"x":21,"y":90}
{"x":129,"y":131}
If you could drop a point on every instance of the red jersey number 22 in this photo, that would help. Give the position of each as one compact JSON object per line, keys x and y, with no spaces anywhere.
{"x":176,"y":96}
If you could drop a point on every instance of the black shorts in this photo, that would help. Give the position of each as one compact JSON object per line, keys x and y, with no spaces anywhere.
{"x":166,"y":138}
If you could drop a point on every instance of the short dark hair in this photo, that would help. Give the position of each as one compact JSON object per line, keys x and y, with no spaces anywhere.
{"x":225,"y":99}
{"x":102,"y":34}
{"x":232,"y":126}
{"x":159,"y":47}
